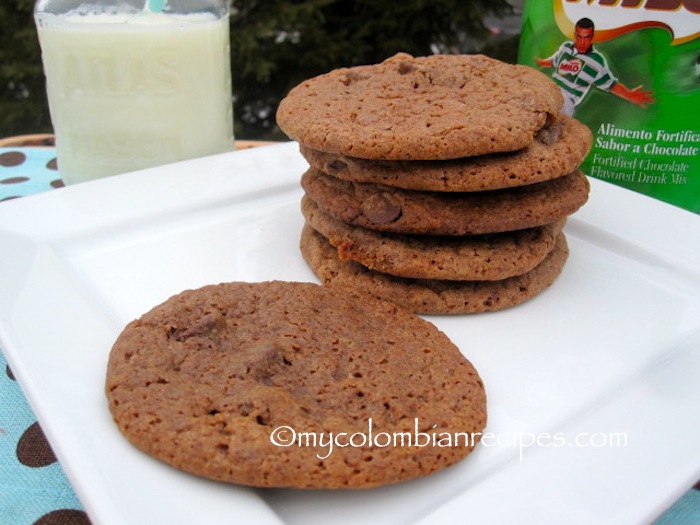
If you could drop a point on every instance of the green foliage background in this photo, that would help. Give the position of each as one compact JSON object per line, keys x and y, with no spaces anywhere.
{"x":23,"y":106}
{"x":275,"y":44}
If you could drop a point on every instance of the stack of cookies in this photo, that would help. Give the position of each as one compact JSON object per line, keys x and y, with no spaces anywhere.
{"x":439,"y":183}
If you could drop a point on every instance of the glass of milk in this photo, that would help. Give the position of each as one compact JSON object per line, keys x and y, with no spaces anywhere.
{"x":135,"y":83}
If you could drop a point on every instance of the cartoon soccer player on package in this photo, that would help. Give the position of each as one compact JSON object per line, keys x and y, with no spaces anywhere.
{"x":578,"y":66}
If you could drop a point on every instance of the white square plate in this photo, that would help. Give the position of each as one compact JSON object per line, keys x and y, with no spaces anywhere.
{"x":593,"y":385}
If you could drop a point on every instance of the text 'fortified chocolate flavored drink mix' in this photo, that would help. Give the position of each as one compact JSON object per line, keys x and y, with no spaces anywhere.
{"x":629,"y":70}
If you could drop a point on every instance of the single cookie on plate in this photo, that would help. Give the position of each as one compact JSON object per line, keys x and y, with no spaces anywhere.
{"x":429,"y":296}
{"x":387,"y":209}
{"x":488,"y":257}
{"x":421,"y":108}
{"x":558,"y":149}
{"x":281,"y":384}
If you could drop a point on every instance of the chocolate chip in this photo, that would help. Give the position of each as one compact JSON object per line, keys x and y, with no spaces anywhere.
{"x":205,"y":326}
{"x":549,"y":134}
{"x":405,"y":68}
{"x":381,"y":208}
{"x":336,"y":166}
{"x":353,"y":76}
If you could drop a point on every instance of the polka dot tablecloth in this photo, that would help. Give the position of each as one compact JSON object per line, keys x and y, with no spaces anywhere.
{"x":25,"y":171}
{"x":33,"y":487}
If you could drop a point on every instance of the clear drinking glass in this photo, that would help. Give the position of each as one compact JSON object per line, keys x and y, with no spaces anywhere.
{"x":133,"y":83}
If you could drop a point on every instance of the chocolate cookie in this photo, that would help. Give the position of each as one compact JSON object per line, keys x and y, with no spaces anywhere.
{"x":488,"y":257}
{"x":425,"y":108}
{"x":281,"y":384}
{"x":387,"y":209}
{"x":558,"y":149}
{"x":426,"y":296}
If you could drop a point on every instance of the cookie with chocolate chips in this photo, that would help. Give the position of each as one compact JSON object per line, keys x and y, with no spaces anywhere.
{"x":487,"y":257}
{"x":421,"y":108}
{"x":247,"y":383}
{"x":558,"y":149}
{"x":431,"y":296}
{"x":383,"y":208}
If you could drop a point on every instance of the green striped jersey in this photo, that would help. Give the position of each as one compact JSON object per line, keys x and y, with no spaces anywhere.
{"x":576,"y":72}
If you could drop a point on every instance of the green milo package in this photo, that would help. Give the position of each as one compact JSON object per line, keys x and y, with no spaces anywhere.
{"x":630,"y":71}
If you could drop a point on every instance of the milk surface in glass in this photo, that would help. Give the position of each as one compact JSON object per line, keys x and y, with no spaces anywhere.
{"x":130,"y":90}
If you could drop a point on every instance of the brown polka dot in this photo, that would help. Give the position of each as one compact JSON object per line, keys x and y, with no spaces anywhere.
{"x":52,"y":164}
{"x":64,"y":517}
{"x":33,"y":450}
{"x":14,"y":180}
{"x":58,"y":183}
{"x":9,"y":373}
{"x":12,"y":158}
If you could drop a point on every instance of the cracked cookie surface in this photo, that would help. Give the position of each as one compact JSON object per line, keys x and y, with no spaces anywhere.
{"x":487,"y":257}
{"x":556,"y":151}
{"x":387,"y":209}
{"x":431,"y":296}
{"x":202,"y":381}
{"x":421,"y":108}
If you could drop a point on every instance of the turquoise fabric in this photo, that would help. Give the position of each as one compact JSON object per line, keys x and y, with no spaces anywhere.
{"x":686,"y":511}
{"x":34,"y":489}
{"x":32,"y":483}
{"x":26,"y":171}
